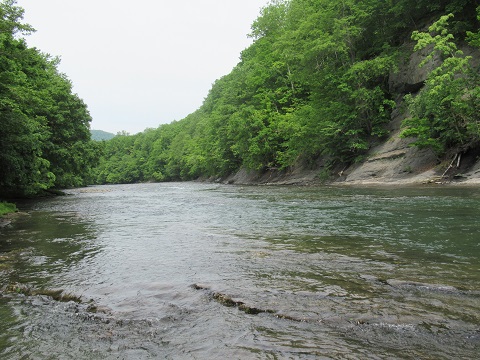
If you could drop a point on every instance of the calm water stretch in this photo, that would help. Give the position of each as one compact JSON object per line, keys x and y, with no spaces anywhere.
{"x":203,"y":271}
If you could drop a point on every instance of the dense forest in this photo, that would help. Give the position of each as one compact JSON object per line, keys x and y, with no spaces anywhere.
{"x":313,"y":85}
{"x":44,"y":133}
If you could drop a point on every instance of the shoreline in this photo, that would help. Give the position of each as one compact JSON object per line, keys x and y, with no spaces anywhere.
{"x":300,"y":177}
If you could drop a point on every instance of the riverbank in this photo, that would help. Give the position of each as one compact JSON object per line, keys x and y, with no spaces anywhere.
{"x":395,"y":161}
{"x":7,"y":210}
{"x":385,"y":172}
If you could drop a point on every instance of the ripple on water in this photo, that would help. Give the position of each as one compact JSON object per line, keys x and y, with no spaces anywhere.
{"x":330,"y":273}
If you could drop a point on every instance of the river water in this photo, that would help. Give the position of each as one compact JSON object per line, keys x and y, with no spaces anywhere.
{"x":206,"y":271}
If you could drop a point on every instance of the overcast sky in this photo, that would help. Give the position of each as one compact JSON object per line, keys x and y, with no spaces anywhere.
{"x":138,"y":64}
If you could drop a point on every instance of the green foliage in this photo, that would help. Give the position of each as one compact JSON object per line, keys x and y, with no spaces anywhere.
{"x":6,"y":208}
{"x":445,"y":114}
{"x":10,"y":16}
{"x":474,"y":37}
{"x":44,"y":135}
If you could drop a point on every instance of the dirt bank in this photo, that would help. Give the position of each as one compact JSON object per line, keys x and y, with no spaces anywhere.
{"x":393,"y":162}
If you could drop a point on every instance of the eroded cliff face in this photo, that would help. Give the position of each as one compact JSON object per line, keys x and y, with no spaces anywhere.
{"x":394,"y":161}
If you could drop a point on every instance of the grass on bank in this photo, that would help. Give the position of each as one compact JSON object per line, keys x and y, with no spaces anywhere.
{"x":6,"y":208}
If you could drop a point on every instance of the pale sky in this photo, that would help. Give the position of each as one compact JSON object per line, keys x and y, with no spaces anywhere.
{"x":138,"y":64}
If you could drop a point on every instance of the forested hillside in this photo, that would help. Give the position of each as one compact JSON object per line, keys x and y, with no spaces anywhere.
{"x":314,"y":84}
{"x":44,"y":126}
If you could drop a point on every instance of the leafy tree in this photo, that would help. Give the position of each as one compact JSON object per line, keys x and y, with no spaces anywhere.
{"x":24,"y":169}
{"x":472,"y":37}
{"x":445,"y":114}
{"x":44,"y":135}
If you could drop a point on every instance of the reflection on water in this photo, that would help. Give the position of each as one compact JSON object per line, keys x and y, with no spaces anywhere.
{"x":42,"y":246}
{"x":336,"y":273}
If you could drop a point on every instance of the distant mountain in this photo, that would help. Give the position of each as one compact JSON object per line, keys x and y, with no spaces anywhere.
{"x":99,"y":135}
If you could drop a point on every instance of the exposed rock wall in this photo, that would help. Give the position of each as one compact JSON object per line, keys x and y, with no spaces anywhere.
{"x":395,"y":161}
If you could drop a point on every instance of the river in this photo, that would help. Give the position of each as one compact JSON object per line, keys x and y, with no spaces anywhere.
{"x":207,"y":271}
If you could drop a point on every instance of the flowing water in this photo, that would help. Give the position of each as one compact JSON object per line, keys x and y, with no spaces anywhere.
{"x":205,"y":271}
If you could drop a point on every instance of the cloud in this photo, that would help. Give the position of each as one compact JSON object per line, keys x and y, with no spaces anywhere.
{"x":140,"y":64}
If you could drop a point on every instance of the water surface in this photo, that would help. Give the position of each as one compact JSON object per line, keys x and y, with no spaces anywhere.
{"x":340,"y":273}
